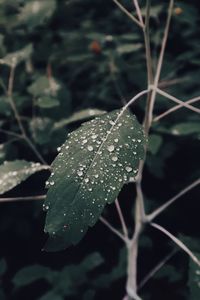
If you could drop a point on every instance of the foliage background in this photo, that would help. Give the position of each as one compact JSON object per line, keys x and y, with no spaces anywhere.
{"x":89,"y":55}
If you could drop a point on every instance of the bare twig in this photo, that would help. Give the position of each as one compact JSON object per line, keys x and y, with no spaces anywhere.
{"x":122,"y":220}
{"x":11,"y":133}
{"x":124,"y":10}
{"x":160,"y":62}
{"x":157,"y":268}
{"x":138,"y":10}
{"x":181,"y":103}
{"x":16,"y":199}
{"x":17,"y":116}
{"x":159,"y":210}
{"x":12,"y":103}
{"x":114,"y":230}
{"x":43,"y":197}
{"x":140,"y":217}
{"x":177,"y":242}
{"x":169,"y":111}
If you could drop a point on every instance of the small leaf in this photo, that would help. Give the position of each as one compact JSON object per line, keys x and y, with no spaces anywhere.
{"x":47,"y":102}
{"x":36,"y":12}
{"x":14,"y":172}
{"x":43,"y":87}
{"x":30,"y":274}
{"x":79,"y":116}
{"x":13,"y":59}
{"x":89,"y":172}
{"x":155,"y":142}
{"x":3,"y":267}
{"x":194,"y":279}
{"x":186,"y":128}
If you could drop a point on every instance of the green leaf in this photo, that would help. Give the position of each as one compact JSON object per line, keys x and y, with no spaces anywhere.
{"x":13,"y":59}
{"x":30,"y":274}
{"x":13,"y":173}
{"x":155,"y":142}
{"x":3,"y":267}
{"x":89,"y":172}
{"x":194,"y":279}
{"x":186,"y":128}
{"x":79,"y":116}
{"x":47,"y":102}
{"x":35,"y":12}
{"x":43,"y":87}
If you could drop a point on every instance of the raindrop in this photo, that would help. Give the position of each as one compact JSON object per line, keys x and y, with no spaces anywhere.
{"x":114,"y":158}
{"x":128,"y":169}
{"x":84,"y":142}
{"x":111,"y":148}
{"x":80,"y":173}
{"x":90,"y":148}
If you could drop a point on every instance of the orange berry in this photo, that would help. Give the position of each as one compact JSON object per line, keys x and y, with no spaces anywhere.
{"x":95,"y":47}
{"x":178,"y":11}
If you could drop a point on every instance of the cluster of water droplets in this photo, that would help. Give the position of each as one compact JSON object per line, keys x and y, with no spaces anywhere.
{"x":12,"y":173}
{"x":97,"y":159}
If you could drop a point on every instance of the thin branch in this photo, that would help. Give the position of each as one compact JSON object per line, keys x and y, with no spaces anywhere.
{"x":159,"y":210}
{"x":17,"y":116}
{"x":157,"y":268}
{"x":169,"y":111}
{"x":147,"y":46}
{"x":124,"y":10}
{"x":181,"y":103}
{"x":11,"y":133}
{"x":37,"y":153}
{"x":138,"y":10}
{"x":12,"y":103}
{"x":160,"y":62}
{"x":16,"y":199}
{"x":43,"y":197}
{"x":177,"y":242}
{"x":122,"y":220}
{"x":115,"y":231}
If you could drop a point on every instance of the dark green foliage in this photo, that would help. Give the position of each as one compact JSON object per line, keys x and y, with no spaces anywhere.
{"x":75,"y":60}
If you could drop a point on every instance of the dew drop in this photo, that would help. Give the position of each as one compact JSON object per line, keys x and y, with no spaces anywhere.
{"x":84,"y":142}
{"x":111,"y":148}
{"x":80,"y":173}
{"x":128,"y":169}
{"x":114,"y":158}
{"x":90,"y":148}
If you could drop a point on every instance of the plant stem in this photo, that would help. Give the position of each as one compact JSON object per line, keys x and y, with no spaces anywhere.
{"x":168,"y":96}
{"x":124,"y":10}
{"x":115,"y":231}
{"x":159,"y":210}
{"x":176,"y":107}
{"x":156,"y":268}
{"x":140,"y":217}
{"x":17,"y":116}
{"x":29,"y":198}
{"x":177,"y":242}
{"x":122,"y":220}
{"x":138,"y":10}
